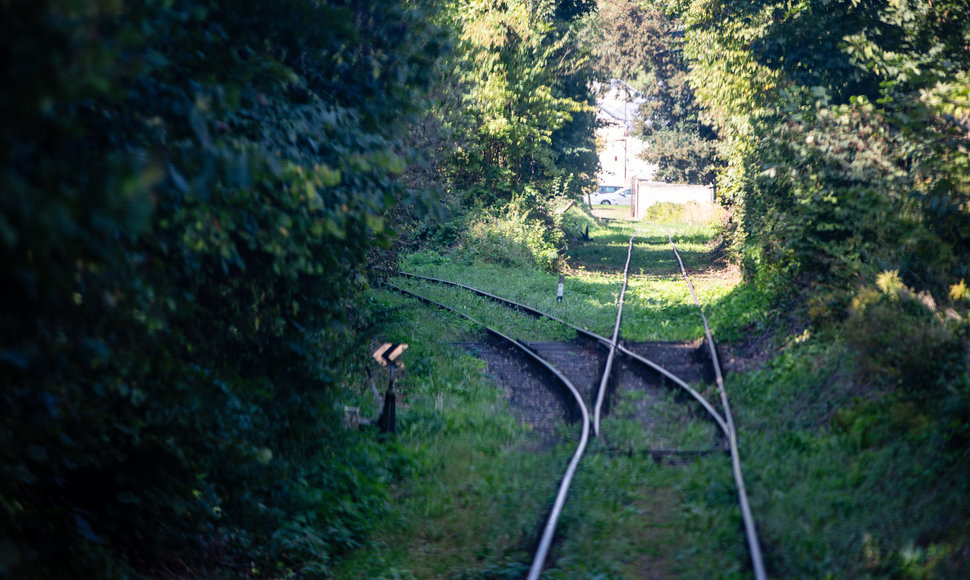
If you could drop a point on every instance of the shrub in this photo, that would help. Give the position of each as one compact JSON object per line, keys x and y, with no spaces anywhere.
{"x":509,"y":236}
{"x":576,"y":222}
{"x":902,"y":341}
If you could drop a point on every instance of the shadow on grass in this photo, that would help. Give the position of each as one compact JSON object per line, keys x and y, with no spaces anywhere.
{"x":654,"y":260}
{"x":599,"y":257}
{"x":606,"y":251}
{"x":612,"y":237}
{"x":693,"y":238}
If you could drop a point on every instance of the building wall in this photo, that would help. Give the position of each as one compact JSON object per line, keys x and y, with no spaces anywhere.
{"x":620,"y":160}
{"x":647,"y":193}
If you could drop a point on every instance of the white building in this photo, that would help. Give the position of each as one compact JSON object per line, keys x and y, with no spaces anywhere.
{"x":618,"y":110}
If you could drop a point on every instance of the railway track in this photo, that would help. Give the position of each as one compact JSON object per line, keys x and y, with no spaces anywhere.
{"x":592,"y":421}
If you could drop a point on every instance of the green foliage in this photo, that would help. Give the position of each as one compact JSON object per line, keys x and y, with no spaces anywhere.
{"x":903,"y":342}
{"x":576,"y":221}
{"x":531,"y":114}
{"x":844,"y":135}
{"x":842,"y":485}
{"x":517,"y":114}
{"x":191,"y":190}
{"x":511,"y":239}
{"x":509,"y":236}
{"x":681,"y":155}
{"x":843,"y":131}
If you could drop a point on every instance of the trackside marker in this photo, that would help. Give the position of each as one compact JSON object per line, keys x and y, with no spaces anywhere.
{"x":387,"y":355}
{"x":562,"y":279}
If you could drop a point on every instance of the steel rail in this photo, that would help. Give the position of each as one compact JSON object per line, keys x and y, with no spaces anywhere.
{"x":533,"y":311}
{"x":545,"y":542}
{"x":750,"y":531}
{"x":680,"y":383}
{"x":592,"y":335}
{"x":605,"y":379}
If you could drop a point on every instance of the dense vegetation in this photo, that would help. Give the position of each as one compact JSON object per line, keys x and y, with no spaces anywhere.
{"x":520,"y":124}
{"x":844,"y":130}
{"x":194,"y":195}
{"x":845,"y":140}
{"x":190,"y":192}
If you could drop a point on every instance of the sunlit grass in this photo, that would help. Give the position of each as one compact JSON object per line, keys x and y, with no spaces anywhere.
{"x":507,"y":321}
{"x":476,"y":501}
{"x":613,"y":212}
{"x":589,"y":299}
{"x":663,"y":309}
{"x":658,"y":303}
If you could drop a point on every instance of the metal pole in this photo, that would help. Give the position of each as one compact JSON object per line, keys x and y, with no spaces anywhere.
{"x":388,"y":415}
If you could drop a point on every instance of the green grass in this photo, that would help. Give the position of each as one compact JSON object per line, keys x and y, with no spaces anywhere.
{"x":508,"y":321}
{"x":618,"y":521}
{"x":474,"y":507}
{"x":659,"y":303}
{"x":844,"y":498}
{"x":613,"y":212}
{"x":476,"y":499}
{"x":588,"y":302}
{"x":840,"y":487}
{"x":676,"y":425}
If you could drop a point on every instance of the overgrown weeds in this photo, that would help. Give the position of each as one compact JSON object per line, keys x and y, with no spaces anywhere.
{"x":474,"y":500}
{"x":511,"y":237}
{"x":842,"y":485}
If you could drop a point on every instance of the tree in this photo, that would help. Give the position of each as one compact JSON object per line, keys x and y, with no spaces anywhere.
{"x":191,"y":190}
{"x":640,"y":42}
{"x":526,"y":83}
{"x":839,"y":160}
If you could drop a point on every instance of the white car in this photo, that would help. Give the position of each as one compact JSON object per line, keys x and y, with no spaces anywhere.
{"x":619,"y":197}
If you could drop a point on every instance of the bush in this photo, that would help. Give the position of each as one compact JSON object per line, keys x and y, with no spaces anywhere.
{"x":681,"y":156}
{"x":902,"y":341}
{"x":510,"y":237}
{"x":901,"y":338}
{"x":576,"y":222}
